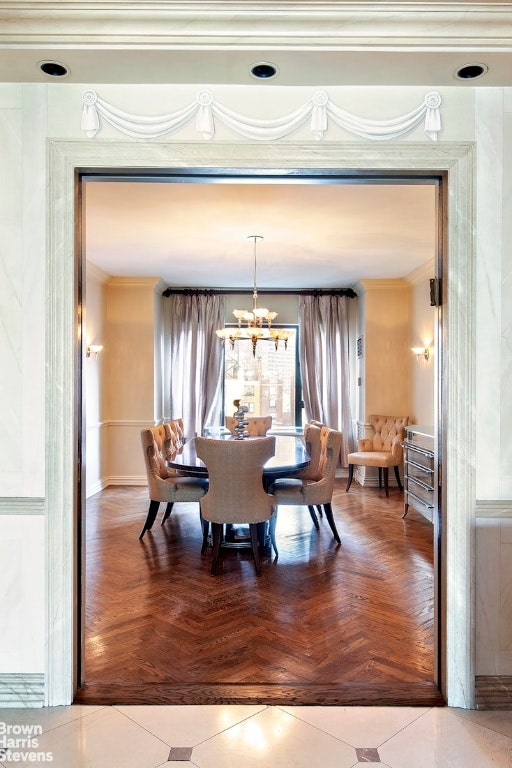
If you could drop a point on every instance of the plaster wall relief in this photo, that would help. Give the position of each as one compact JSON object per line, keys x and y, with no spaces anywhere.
{"x":317,"y":111}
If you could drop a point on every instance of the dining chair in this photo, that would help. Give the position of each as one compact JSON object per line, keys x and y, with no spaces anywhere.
{"x":235,"y":493}
{"x":165,"y":484}
{"x":383,"y":450}
{"x":175,"y":430}
{"x":312,"y":492}
{"x":257,"y":426}
{"x":312,"y":440}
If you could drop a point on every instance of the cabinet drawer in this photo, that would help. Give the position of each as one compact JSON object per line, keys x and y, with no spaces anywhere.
{"x":419,"y":456}
{"x":420,"y":492}
{"x":420,"y":473}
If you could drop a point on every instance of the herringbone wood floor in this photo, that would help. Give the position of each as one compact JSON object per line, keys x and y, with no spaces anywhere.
{"x":323,"y":624}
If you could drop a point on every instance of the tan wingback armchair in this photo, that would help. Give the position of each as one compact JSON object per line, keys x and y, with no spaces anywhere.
{"x":383,"y":450}
{"x":257,"y":426}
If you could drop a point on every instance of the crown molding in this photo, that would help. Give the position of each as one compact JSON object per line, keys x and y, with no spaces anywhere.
{"x":422,"y":273}
{"x":294,"y":25}
{"x":379,"y":284}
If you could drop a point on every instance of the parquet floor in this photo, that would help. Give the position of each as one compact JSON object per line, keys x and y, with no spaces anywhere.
{"x":324,"y":623}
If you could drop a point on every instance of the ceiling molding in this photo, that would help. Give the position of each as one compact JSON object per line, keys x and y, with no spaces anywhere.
{"x":298,"y":25}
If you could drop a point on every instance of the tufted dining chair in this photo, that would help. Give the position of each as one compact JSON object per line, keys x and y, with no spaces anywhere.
{"x":312,"y":439}
{"x":164,"y":484}
{"x":312,"y":492}
{"x":257,"y":426}
{"x":383,"y":450}
{"x":235,"y":493}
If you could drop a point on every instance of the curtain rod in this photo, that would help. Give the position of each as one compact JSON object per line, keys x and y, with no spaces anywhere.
{"x":348,"y":292}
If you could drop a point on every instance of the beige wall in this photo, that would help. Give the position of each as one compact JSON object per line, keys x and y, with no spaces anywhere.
{"x":95,"y":332}
{"x":421,"y":334}
{"x":385,"y":370}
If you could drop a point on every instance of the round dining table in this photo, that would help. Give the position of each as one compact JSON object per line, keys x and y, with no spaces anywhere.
{"x":290,"y":457}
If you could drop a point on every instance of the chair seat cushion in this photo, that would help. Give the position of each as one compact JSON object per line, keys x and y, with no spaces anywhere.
{"x":372,"y":458}
{"x":288,"y":490}
{"x":188,"y":488}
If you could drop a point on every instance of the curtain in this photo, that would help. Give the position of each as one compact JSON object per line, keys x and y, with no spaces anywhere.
{"x":324,"y":360}
{"x":193,"y":359}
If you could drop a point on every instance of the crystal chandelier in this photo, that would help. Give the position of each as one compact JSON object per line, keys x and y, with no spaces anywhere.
{"x":254,"y":324}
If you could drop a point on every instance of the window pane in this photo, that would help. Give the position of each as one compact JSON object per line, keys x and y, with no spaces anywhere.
{"x":266,"y":383}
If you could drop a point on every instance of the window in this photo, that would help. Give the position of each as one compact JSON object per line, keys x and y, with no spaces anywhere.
{"x":269,"y":383}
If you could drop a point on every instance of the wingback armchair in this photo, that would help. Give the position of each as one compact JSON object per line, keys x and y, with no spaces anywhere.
{"x":383,"y":450}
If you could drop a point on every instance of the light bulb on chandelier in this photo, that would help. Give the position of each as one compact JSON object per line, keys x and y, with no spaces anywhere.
{"x":258,"y":320}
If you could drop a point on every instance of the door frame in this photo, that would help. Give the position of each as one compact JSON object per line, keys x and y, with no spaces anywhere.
{"x":67,"y":161}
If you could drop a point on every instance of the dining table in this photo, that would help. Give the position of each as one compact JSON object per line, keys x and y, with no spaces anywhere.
{"x":290,"y":457}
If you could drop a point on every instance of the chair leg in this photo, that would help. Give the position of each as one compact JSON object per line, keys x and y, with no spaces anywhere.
{"x":385,"y":473}
{"x":397,"y":475}
{"x":217,"y":529}
{"x":330,"y":520}
{"x":350,"y":476}
{"x":150,"y":518}
{"x":253,"y":527}
{"x":205,"y":526}
{"x":319,"y":509}
{"x":272,"y":531}
{"x":380,"y":477}
{"x":168,"y":510}
{"x":313,"y":516}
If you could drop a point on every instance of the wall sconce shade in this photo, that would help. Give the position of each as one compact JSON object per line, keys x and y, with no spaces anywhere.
{"x":93,"y":348}
{"x":421,"y":352}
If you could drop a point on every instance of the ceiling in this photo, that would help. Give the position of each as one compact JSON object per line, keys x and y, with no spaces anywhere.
{"x":315,"y":235}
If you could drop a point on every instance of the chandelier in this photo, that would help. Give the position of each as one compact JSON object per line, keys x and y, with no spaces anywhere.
{"x":254,"y":324}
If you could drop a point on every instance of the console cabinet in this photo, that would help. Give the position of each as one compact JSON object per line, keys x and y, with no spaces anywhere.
{"x":420,"y":471}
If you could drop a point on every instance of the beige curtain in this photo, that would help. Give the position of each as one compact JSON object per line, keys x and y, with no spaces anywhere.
{"x":324,"y":360}
{"x":193,"y":359}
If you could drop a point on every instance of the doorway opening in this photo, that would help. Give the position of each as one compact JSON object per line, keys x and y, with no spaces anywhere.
{"x":336,"y":693}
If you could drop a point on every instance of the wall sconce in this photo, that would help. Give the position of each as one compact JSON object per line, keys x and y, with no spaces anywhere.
{"x":421,"y":352}
{"x":93,"y":348}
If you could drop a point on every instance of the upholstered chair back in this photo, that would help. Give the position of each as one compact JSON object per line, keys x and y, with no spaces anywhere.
{"x":312,"y":439}
{"x":156,"y":470}
{"x":175,"y":431}
{"x":235,"y":472}
{"x":330,"y":446}
{"x":389,"y":434}
{"x":257,"y":426}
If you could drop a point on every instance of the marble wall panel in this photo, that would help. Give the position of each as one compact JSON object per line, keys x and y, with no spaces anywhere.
{"x":23,"y":593}
{"x":487,"y":561}
{"x":506,"y":318}
{"x":11,"y":299}
{"x":489,"y":183}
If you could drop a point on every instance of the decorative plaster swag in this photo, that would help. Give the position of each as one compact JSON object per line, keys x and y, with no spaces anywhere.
{"x":318,"y":109}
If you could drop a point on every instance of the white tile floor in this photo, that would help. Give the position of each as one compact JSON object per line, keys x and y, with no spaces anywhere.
{"x":255,"y":737}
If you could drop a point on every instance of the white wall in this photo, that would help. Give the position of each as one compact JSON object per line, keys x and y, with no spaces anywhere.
{"x":30,"y":115}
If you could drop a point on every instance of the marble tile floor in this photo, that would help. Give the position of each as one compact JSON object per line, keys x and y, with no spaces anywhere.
{"x":255,"y":736}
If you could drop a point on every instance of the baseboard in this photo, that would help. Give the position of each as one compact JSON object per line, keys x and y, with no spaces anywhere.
{"x":493,"y":692}
{"x":126,"y":480}
{"x":21,"y":690}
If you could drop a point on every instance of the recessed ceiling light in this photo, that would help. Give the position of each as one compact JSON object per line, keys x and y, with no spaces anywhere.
{"x":263,"y":70}
{"x":471,"y":71}
{"x":53,"y":68}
